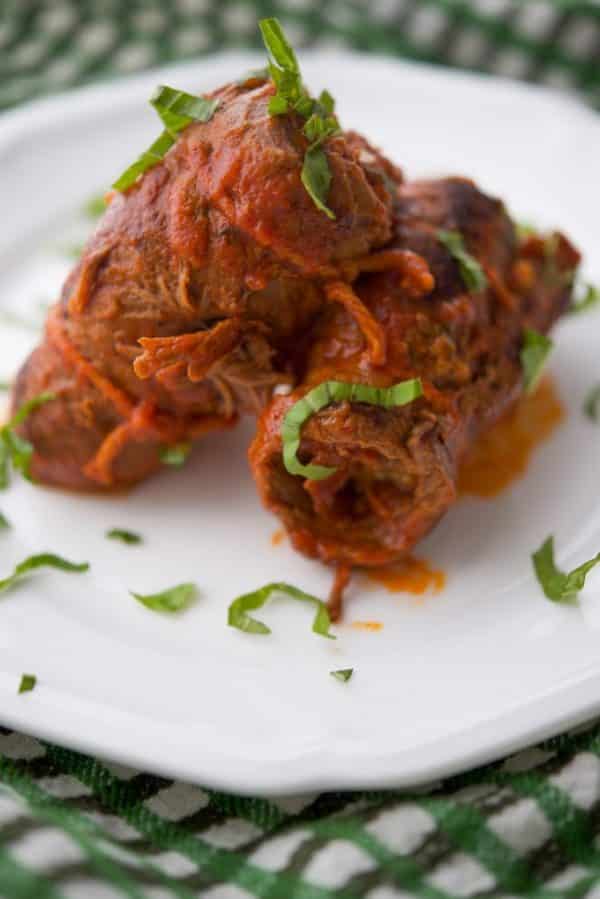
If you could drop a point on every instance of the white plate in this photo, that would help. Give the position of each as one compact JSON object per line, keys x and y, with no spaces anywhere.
{"x":480,"y":669}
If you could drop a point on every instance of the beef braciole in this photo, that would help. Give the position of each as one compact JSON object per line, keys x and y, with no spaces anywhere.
{"x":259,"y":259}
{"x":394,"y":469}
{"x":198,"y":278}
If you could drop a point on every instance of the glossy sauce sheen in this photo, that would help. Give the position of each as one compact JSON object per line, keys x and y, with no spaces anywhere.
{"x":501,"y":456}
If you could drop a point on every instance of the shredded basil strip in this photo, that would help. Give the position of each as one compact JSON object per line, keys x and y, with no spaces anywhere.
{"x":124,"y":536}
{"x":4,"y":522}
{"x":149,"y":158}
{"x":175,"y":599}
{"x":336,"y":392}
{"x":471,"y":272}
{"x":524,"y":229}
{"x":326,"y":103}
{"x":29,"y":406}
{"x":534,"y":354}
{"x":588,"y":301}
{"x":292,"y":96}
{"x":344,"y":674}
{"x":591,"y":404}
{"x":316,"y":178}
{"x":281,"y":53}
{"x":28,"y":682}
{"x":237,"y":613}
{"x":95,"y":206}
{"x":556,"y":584}
{"x":176,"y":455}
{"x":42,"y":560}
{"x":316,"y":175}
{"x":15,"y":449}
{"x":177,"y":110}
{"x":318,"y":128}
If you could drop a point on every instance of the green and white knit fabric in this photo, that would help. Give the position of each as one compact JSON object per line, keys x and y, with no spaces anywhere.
{"x":73,"y":826}
{"x":50,"y":44}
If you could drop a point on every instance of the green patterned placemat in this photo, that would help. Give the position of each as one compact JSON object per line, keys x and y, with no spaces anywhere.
{"x":45,"y":46}
{"x":73,"y":826}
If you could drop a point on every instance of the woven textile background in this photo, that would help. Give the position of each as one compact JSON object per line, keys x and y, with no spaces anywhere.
{"x":50,"y":44}
{"x":72,"y":826}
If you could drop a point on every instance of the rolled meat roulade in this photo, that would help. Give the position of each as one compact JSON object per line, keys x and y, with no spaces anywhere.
{"x":186,"y":305}
{"x":454,"y":316}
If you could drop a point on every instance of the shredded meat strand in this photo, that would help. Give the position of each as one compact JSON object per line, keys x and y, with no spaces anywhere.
{"x":416,"y":277}
{"x":199,"y":350}
{"x":141,"y":420}
{"x":82,"y":292}
{"x":340,"y":292}
{"x":501,"y":291}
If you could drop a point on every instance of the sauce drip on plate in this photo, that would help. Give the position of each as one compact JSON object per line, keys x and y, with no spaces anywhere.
{"x":410,"y":576}
{"x":367,"y":625}
{"x":498,"y":459}
{"x":502,"y":454}
{"x":277,"y":537}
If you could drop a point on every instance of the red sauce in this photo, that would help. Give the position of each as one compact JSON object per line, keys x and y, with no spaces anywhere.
{"x":502,"y":454}
{"x":500,"y":457}
{"x":410,"y":576}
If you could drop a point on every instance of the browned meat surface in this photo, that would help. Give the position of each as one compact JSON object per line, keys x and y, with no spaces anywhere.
{"x":397,"y":468}
{"x":183,"y":306}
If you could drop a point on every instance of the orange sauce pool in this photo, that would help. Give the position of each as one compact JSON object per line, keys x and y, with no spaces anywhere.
{"x":499,"y":457}
{"x":277,"y":537}
{"x":367,"y":625}
{"x":409,"y":576}
{"x":502,"y":454}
